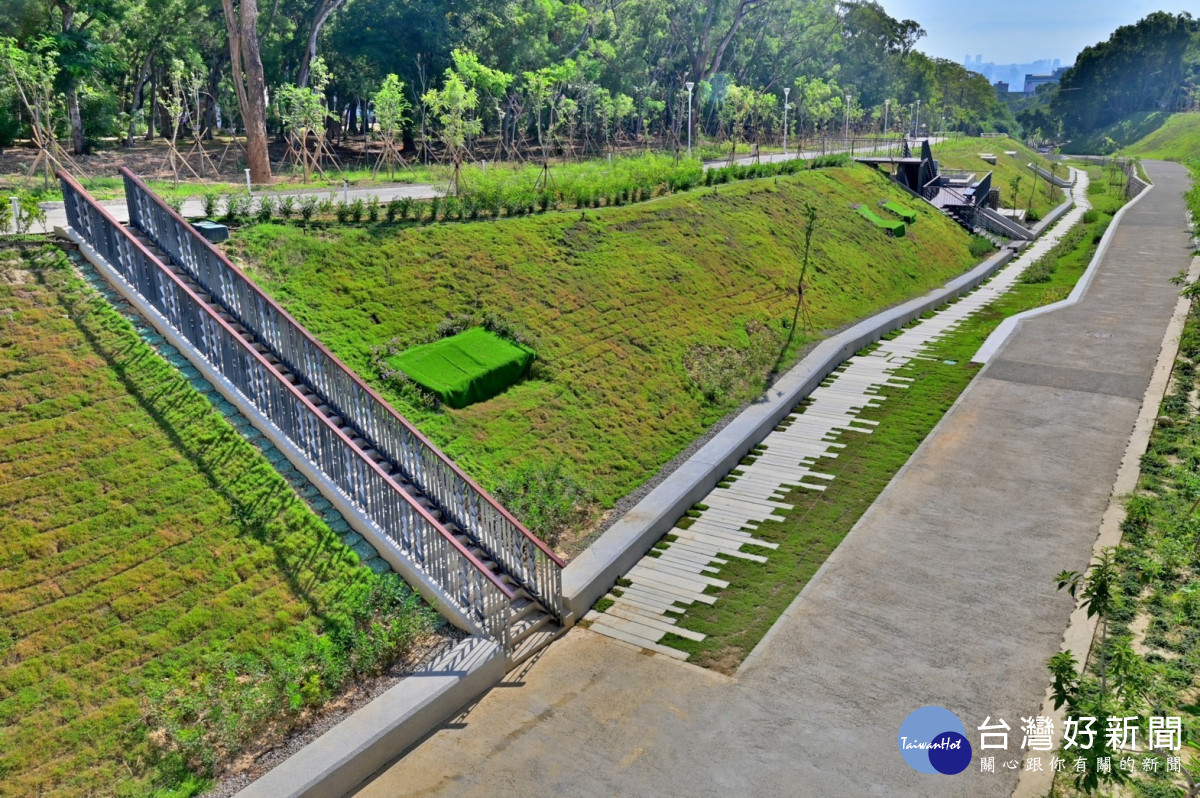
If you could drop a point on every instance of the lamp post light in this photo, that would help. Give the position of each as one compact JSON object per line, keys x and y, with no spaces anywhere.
{"x":917,"y":118}
{"x":846,"y":131}
{"x":690,"y":85}
{"x":887,"y":106}
{"x":786,"y":92}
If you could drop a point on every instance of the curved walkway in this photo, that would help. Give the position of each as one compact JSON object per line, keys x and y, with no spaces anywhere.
{"x":942,"y":594}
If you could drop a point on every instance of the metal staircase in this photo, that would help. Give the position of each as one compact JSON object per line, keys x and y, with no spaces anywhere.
{"x":505,"y":582}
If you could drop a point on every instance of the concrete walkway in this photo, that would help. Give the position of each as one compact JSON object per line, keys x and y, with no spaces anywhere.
{"x":942,"y":594}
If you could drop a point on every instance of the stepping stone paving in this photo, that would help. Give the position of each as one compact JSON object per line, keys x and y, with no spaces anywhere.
{"x":666,"y":582}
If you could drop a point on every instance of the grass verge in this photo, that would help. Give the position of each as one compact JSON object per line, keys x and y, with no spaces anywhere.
{"x":759,"y":593}
{"x":1151,"y":654}
{"x":165,"y":596}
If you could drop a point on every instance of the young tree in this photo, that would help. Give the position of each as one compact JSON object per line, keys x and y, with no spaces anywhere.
{"x":303,"y":111}
{"x":453,"y":108}
{"x":391,"y":111}
{"x":31,"y":75}
{"x":489,"y":83}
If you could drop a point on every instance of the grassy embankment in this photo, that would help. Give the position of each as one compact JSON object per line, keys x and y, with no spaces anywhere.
{"x":1123,"y":134}
{"x":165,"y":596}
{"x":1178,"y":139}
{"x":650,"y":321}
{"x":759,"y":593}
{"x":1033,"y":193}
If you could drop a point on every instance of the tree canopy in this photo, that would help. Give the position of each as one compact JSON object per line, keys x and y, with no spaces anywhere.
{"x":548,"y":76}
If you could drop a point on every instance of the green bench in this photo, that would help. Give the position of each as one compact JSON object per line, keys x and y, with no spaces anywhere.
{"x":893,"y":228}
{"x":907,"y":214}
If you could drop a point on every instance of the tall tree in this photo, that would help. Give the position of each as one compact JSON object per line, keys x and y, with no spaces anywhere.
{"x":81,"y":54}
{"x":321,"y":14}
{"x":241,"y":23}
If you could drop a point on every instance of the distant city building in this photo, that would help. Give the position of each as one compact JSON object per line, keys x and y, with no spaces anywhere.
{"x":1033,"y":81}
{"x":1012,"y":74}
{"x":1001,"y":89}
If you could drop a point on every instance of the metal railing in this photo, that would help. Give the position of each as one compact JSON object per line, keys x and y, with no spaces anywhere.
{"x":423,"y":541}
{"x":526,"y":558}
{"x":1046,"y":174}
{"x":972,"y":213}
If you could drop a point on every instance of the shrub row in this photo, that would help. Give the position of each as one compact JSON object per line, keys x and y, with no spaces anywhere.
{"x":506,"y":193}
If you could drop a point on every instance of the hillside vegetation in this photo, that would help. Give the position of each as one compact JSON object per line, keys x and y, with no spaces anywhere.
{"x":1117,"y":136}
{"x":165,"y":596}
{"x":1178,"y":139}
{"x":650,"y":321}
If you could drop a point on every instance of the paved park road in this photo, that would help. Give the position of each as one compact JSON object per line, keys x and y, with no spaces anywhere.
{"x":942,"y":594}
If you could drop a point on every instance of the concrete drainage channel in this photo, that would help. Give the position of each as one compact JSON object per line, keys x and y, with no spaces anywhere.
{"x":351,"y":752}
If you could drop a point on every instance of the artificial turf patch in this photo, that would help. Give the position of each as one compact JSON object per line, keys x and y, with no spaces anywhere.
{"x":470,"y":367}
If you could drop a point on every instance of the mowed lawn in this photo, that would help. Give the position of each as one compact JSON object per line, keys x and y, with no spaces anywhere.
{"x":650,"y":321}
{"x":158,"y":577}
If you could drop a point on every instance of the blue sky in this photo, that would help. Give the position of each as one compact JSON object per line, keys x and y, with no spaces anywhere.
{"x":1021,"y":31}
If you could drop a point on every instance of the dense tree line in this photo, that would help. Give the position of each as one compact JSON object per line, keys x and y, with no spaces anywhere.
{"x":516,"y":78}
{"x":1153,"y":65}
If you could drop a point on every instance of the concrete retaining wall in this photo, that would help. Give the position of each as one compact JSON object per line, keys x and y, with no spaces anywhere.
{"x":590,"y":575}
{"x":1053,"y":216}
{"x":348,"y":754}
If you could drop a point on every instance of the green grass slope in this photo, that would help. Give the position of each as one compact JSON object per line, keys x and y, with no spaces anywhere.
{"x":650,"y":321}
{"x":1178,"y":139}
{"x":164,"y":594}
{"x":1127,"y":132}
{"x":964,"y":154}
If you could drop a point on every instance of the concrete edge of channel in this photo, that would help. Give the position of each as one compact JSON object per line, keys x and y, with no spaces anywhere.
{"x":752,"y":658}
{"x":995,"y":341}
{"x":347,"y":755}
{"x":590,"y":575}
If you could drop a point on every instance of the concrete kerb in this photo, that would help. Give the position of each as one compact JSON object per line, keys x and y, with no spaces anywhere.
{"x":348,"y":754}
{"x":1057,"y":213}
{"x":358,"y":521}
{"x":590,"y":575}
{"x":996,"y":340}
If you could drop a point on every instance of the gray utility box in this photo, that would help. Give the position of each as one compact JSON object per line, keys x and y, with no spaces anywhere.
{"x":212,"y":231}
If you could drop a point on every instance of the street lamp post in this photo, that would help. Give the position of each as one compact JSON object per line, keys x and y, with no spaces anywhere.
{"x":887,"y":106}
{"x":690,"y":85}
{"x":846,"y":131}
{"x":786,"y":92}
{"x":917,"y":118}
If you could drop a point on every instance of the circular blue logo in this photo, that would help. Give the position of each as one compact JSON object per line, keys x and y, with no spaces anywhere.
{"x":933,"y":740}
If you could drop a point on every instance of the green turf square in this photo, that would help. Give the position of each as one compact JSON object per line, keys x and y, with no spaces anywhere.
{"x":470,"y":367}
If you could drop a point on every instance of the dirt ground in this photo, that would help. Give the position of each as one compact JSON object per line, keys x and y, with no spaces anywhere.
{"x":149,"y":160}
